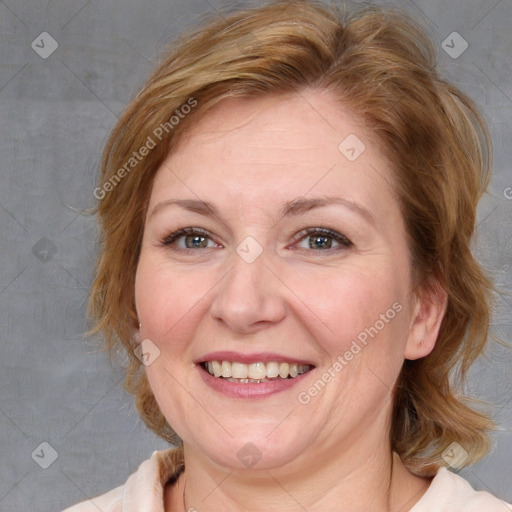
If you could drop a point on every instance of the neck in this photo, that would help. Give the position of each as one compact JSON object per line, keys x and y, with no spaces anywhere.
{"x":360,"y":478}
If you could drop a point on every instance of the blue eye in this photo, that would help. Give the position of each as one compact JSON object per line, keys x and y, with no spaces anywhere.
{"x":193,"y":238}
{"x":319,"y":239}
{"x":322,"y":239}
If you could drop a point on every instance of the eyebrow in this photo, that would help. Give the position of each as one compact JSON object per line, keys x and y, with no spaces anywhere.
{"x":292,"y":208}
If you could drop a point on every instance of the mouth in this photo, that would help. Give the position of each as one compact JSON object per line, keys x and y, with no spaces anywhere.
{"x":254,"y":373}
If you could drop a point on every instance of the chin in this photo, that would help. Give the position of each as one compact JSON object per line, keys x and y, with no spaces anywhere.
{"x":246,"y":451}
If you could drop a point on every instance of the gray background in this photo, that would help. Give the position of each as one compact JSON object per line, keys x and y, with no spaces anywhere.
{"x":56,"y":387}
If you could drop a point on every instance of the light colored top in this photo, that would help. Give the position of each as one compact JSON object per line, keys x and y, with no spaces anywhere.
{"x":144,"y":491}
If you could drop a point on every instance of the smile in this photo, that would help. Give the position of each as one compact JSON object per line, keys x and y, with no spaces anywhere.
{"x":254,"y":372}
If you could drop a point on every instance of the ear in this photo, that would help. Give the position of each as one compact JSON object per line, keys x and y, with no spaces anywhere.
{"x":428,"y":313}
{"x":137,"y":337}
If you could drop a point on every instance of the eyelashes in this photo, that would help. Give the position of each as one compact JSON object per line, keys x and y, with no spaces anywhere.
{"x":323,"y":234}
{"x":194,"y":233}
{"x":320,"y":240}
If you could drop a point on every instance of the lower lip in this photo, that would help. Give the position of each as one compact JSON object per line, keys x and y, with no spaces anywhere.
{"x":251,"y":389}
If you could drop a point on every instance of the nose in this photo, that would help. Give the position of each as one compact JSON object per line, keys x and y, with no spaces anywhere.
{"x":249,"y":297}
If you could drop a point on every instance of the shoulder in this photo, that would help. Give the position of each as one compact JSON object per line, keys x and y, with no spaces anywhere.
{"x":143,"y":490}
{"x":108,"y":502}
{"x":449,"y":492}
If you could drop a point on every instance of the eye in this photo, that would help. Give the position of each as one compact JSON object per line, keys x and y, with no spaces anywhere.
{"x":189,"y":238}
{"x":322,"y":239}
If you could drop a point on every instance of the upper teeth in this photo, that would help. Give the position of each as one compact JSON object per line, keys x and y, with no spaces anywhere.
{"x":255,"y":371}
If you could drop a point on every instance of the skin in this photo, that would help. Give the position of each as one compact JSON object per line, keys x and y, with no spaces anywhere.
{"x":248,"y":157}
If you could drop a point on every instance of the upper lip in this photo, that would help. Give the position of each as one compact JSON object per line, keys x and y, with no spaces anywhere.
{"x":261,"y":357}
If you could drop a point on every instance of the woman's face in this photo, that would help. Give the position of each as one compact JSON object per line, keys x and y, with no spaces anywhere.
{"x":294,"y":257}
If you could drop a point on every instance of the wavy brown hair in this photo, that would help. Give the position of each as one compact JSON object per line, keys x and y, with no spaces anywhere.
{"x":380,"y":64}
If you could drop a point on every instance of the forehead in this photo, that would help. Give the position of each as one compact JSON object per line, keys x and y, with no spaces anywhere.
{"x":275,"y":148}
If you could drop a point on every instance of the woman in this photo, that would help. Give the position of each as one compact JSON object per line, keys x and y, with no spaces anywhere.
{"x":286,"y":212}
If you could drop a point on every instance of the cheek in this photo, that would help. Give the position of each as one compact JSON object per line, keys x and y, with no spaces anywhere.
{"x":351,"y":302}
{"x":168,"y":301}
{"x":336,"y":305}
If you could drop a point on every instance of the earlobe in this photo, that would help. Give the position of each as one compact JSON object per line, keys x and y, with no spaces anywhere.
{"x":429,"y":309}
{"x":137,"y":335}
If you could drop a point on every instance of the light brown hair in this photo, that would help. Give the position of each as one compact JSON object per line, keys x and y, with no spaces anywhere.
{"x":381,"y":65}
